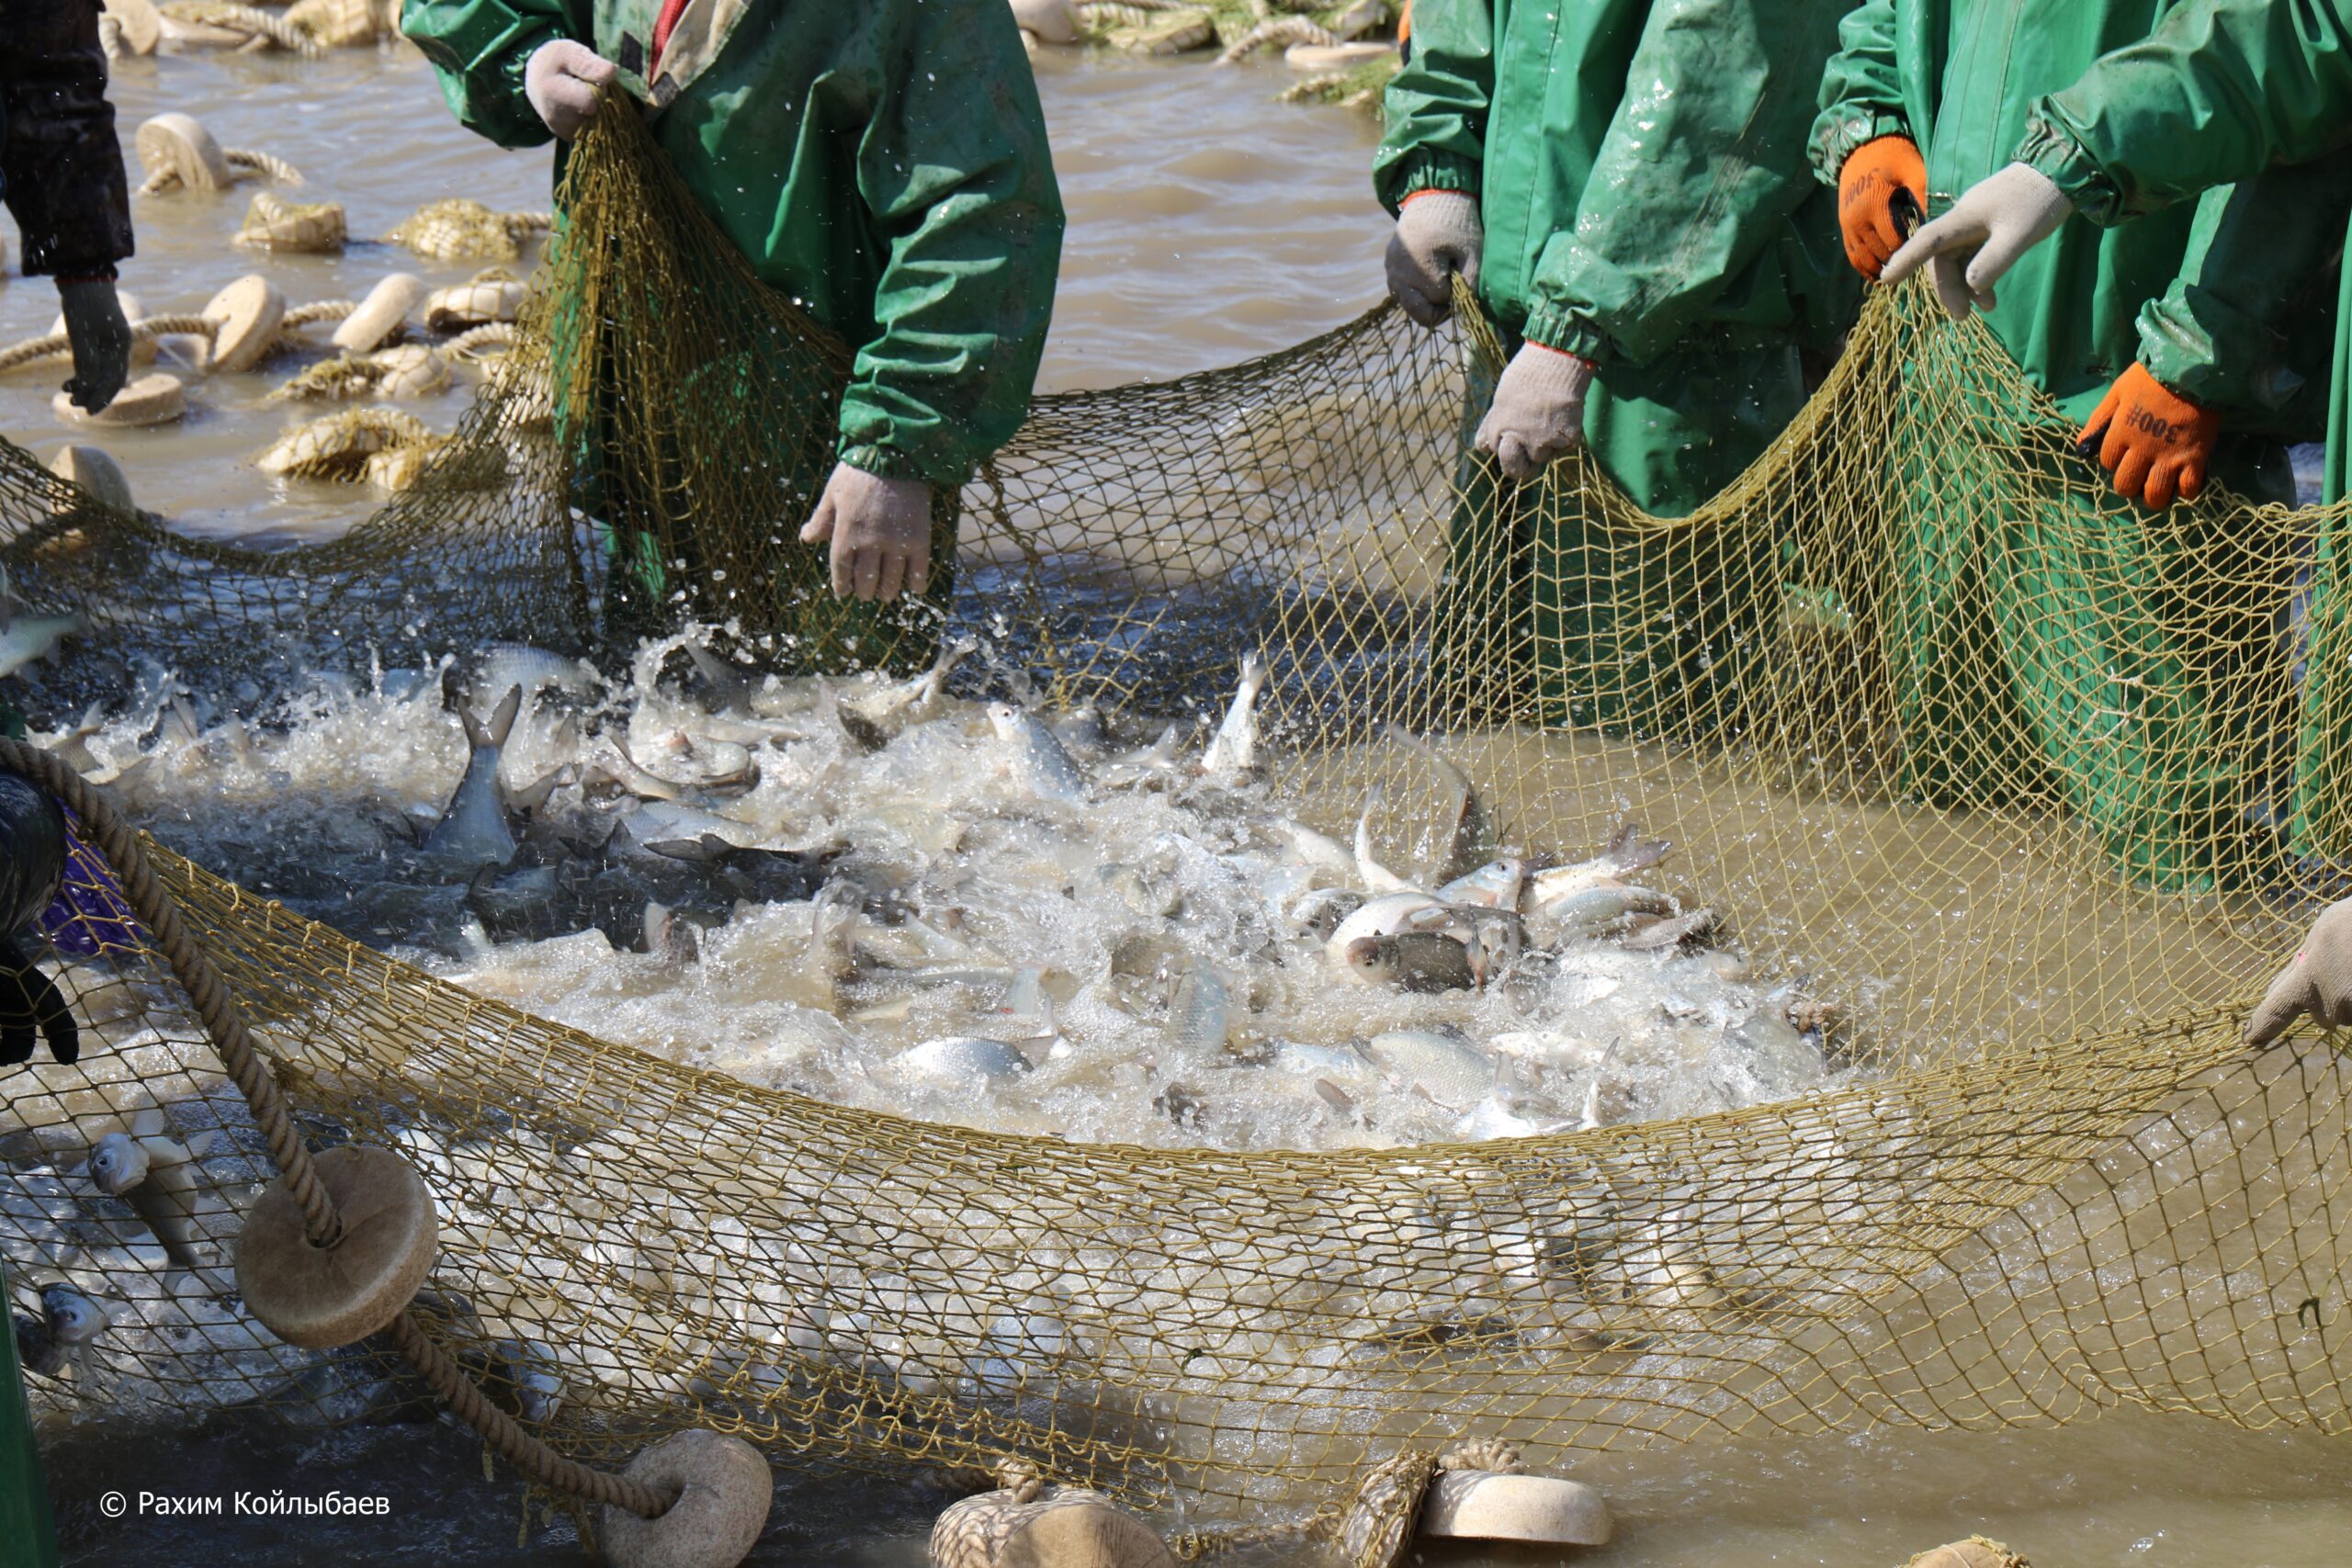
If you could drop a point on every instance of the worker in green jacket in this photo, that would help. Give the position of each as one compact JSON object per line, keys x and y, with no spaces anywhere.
{"x":883,"y":165}
{"x":2258,"y":91}
{"x":1624,"y":183}
{"x":2046,"y":651}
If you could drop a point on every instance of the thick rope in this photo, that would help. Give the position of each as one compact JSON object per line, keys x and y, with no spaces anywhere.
{"x":521,"y":225}
{"x":524,"y":1452}
{"x":267,"y":164}
{"x":257,"y":25}
{"x":51,"y":345}
{"x":319,"y":310}
{"x":225,"y":1021}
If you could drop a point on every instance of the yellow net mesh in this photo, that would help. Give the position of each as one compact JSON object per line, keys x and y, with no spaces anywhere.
{"x":2016,"y":779}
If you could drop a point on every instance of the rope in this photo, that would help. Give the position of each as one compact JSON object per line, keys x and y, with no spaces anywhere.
{"x":247,"y":20}
{"x":469,"y":344}
{"x":319,"y":310}
{"x":267,"y":164}
{"x":519,"y":224}
{"x":225,"y":1021}
{"x":33,"y":350}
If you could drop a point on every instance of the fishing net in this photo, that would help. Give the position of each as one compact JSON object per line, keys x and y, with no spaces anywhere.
{"x":2023,"y":789}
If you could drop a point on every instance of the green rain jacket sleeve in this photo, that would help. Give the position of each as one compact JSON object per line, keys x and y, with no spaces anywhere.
{"x":1860,"y":96}
{"x":479,"y":49}
{"x":1703,"y":162}
{"x":1436,"y":106}
{"x":2244,"y":326}
{"x":2221,"y":90}
{"x":958,"y":182}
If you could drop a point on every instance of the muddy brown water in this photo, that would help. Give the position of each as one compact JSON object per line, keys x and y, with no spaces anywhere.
{"x":1208,"y":224}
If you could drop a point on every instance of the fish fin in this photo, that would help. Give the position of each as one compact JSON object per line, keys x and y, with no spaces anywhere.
{"x":502,"y":720}
{"x":148,"y":1122}
{"x":533,"y":796}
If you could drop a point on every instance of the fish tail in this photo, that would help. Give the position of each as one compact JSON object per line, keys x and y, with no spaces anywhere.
{"x":502,"y":721}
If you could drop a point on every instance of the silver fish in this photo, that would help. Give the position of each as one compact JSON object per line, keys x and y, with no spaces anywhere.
{"x":1318,"y":852}
{"x":1199,"y":1014}
{"x":70,"y":1322}
{"x":1626,"y":854}
{"x":1233,"y":750}
{"x":909,"y":702}
{"x":1494,"y":885}
{"x":1155,"y":764}
{"x":1420,"y":962}
{"x":154,"y":1174}
{"x":1452,"y":1072}
{"x":1386,"y":916}
{"x":1595,"y":910}
{"x":958,"y":1062}
{"x":669,"y":936}
{"x":611,"y":764}
{"x":1470,"y":834}
{"x":26,"y":640}
{"x":473,"y":829}
{"x":1376,"y":877}
{"x":1039,"y":763}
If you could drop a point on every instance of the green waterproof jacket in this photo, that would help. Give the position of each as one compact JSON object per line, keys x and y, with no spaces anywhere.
{"x":2209,"y":298}
{"x":1639,"y":165}
{"x":2256,"y":91}
{"x":883,"y":163}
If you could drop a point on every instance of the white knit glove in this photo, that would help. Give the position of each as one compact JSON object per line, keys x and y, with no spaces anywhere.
{"x":1538,"y":411}
{"x":1997,"y":221}
{"x":880,"y":531}
{"x":560,"y":79}
{"x":1437,"y":235}
{"x":2318,"y":982}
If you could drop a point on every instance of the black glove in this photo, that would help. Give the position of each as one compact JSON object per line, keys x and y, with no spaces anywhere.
{"x":30,"y":1001}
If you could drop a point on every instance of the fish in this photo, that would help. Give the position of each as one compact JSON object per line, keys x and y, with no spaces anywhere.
{"x":1493,"y":1117}
{"x":473,"y":829}
{"x":1470,"y":832}
{"x":1318,"y":852}
{"x":957,"y":1063}
{"x":669,"y":936}
{"x":1453,"y":1072}
{"x":1039,"y":765}
{"x":35,"y":637}
{"x":1387,"y":915}
{"x":610,"y":764}
{"x":154,"y":1173}
{"x":1376,"y":877}
{"x":1233,"y":750}
{"x":1627,"y":854}
{"x":1670,"y":933}
{"x":1319,"y":913}
{"x":1421,"y":961}
{"x":1200,"y":1013}
{"x":1156,"y":762}
{"x":833,"y":939}
{"x":1596,"y":911}
{"x":1497,"y":884}
{"x":69,"y":1324}
{"x":879,"y":717}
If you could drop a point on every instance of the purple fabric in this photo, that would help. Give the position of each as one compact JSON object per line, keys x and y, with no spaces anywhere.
{"x":89,"y":915}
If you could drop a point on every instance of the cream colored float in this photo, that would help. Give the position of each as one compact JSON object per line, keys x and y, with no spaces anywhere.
{"x":382,"y":316}
{"x":309,"y":228}
{"x":158,"y":398}
{"x":345,"y":24}
{"x":336,"y":447}
{"x":247,"y":316}
{"x":458,"y":229}
{"x":131,"y":28}
{"x":176,"y":152}
{"x":496,"y":295}
{"x":96,"y":474}
{"x":204,"y":23}
{"x":1029,"y":1525}
{"x":1055,"y":22}
{"x":407,"y":371}
{"x":1333,"y":56}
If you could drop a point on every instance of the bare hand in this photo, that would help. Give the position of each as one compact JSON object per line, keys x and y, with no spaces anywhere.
{"x":880,"y":531}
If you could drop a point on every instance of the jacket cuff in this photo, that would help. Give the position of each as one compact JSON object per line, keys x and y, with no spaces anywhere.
{"x":1566,"y":331}
{"x":1841,"y":128}
{"x":890,"y":463}
{"x":2049,"y":151}
{"x":2205,"y":351}
{"x":1429,"y":171}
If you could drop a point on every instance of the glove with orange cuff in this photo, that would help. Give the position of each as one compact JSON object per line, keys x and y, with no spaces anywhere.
{"x":1882,"y":188}
{"x":2155,"y":442}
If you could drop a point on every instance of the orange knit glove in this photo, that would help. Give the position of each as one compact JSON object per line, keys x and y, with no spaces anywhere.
{"x":2157,"y":442}
{"x":1878,"y":177}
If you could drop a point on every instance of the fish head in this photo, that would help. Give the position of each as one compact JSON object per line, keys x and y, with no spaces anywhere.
{"x":118,"y":1164}
{"x":74,"y":1319}
{"x":1370,"y":958}
{"x":1005,"y":718}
